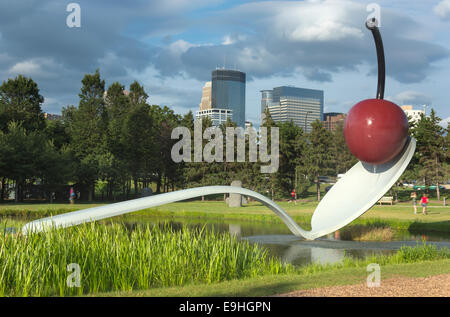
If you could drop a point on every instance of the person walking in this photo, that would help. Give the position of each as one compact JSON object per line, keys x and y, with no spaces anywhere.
{"x":424,"y":201}
{"x":72,"y":196}
{"x":414,"y":201}
{"x":293,"y":195}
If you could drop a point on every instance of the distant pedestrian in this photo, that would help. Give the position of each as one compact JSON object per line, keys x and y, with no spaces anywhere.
{"x":72,"y":196}
{"x":294,"y":196}
{"x":424,"y":201}
{"x":414,"y":201}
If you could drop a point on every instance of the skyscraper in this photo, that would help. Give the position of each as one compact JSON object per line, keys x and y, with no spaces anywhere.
{"x":228,"y":92}
{"x":301,"y":105}
{"x":266,"y":99}
{"x":206,"y":97}
{"x":218,"y":116}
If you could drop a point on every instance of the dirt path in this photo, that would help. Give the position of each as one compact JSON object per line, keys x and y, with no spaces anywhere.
{"x":434,"y":286}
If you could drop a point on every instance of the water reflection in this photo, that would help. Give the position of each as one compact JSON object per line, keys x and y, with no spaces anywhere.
{"x":280,"y":243}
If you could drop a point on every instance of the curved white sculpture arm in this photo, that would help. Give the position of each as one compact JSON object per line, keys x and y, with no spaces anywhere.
{"x":102,"y":212}
{"x":360,"y":188}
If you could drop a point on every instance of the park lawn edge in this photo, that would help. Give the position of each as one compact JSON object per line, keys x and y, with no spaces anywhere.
{"x":303,"y":219}
{"x":270,"y":285}
{"x":219,"y":212}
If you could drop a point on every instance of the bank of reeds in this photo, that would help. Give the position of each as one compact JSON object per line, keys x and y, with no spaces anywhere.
{"x":112,"y":258}
{"x":369,"y":232}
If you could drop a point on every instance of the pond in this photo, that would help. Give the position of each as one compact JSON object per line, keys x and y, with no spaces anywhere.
{"x":280,"y":242}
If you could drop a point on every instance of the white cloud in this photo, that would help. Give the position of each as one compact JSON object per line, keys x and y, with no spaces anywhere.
{"x":36,"y":67}
{"x":318,"y":21}
{"x":30,"y":68}
{"x":179,"y":47}
{"x":232,"y":39}
{"x":444,"y":123}
{"x":227,"y":40}
{"x":411,"y":97}
{"x":442,"y":9}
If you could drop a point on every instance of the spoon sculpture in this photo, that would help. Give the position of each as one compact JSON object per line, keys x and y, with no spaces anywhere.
{"x":376,"y":133}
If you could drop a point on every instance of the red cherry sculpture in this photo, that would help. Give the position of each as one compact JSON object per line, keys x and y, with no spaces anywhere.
{"x":376,"y":131}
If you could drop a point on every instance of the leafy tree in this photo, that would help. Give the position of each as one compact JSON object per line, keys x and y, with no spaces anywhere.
{"x":318,"y":158}
{"x":58,"y":133}
{"x":20,"y":101}
{"x":430,"y":152}
{"x":291,"y":148}
{"x":138,"y":144}
{"x":343,"y":158}
{"x":302,"y":181}
{"x":137,"y":94}
{"x":26,"y":156}
{"x":166,"y":120}
{"x":87,"y":126}
{"x":117,"y":103}
{"x":114,"y":170}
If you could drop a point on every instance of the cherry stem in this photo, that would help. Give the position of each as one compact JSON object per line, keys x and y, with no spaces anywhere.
{"x":372,"y":25}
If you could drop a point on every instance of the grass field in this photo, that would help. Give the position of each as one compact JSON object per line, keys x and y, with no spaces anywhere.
{"x":399,"y":216}
{"x":278,"y":284}
{"x":155,"y":262}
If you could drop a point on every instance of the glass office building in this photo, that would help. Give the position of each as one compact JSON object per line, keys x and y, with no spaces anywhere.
{"x":217,"y":116}
{"x":228,"y":92}
{"x":301,"y":105}
{"x":266,"y":99}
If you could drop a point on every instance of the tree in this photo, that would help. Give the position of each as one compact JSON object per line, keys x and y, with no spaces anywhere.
{"x":26,"y":156}
{"x":58,"y":133}
{"x":343,"y":159}
{"x":87,"y":128}
{"x":431,"y":153}
{"x":114,"y":170}
{"x":20,"y":101}
{"x":139,"y":144}
{"x":137,"y":94}
{"x":116,"y":102}
{"x":318,"y":159}
{"x":302,"y":181}
{"x":166,"y":169}
{"x":291,"y":147}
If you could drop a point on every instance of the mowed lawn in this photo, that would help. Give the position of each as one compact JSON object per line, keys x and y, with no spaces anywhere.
{"x":253,"y":211}
{"x":270,"y":285}
{"x":400,"y":211}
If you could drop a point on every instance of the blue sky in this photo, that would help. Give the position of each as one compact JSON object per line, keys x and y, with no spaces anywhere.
{"x":172,"y":46}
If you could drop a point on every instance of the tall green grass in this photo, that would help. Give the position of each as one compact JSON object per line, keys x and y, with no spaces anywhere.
{"x":116,"y":258}
{"x":113,"y":258}
{"x":421,"y":253}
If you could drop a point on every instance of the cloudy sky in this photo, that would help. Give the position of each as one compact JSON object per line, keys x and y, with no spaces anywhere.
{"x":171,"y":47}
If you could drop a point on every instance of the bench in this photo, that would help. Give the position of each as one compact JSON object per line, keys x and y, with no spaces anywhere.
{"x":386,"y":200}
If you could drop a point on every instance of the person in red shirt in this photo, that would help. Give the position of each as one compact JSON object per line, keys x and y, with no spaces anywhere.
{"x":424,"y":201}
{"x":293,"y":194}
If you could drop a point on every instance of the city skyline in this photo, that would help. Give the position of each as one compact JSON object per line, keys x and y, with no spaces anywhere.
{"x":301,"y":105}
{"x":171,"y":46}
